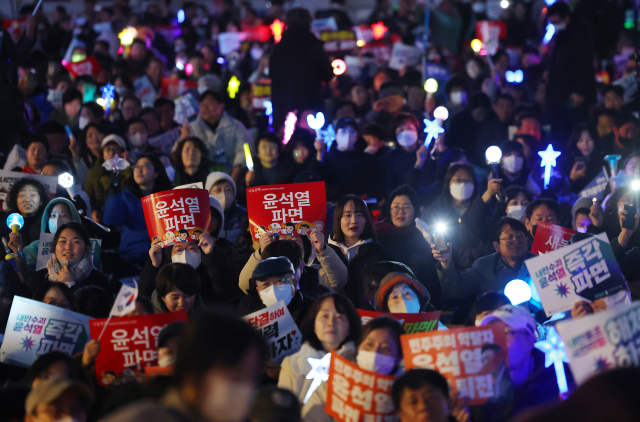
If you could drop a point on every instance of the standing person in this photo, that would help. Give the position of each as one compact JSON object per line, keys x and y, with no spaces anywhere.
{"x":298,"y":68}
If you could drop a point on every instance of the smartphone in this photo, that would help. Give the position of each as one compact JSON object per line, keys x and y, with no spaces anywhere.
{"x":630,"y":222}
{"x":441,"y":243}
{"x":581,"y":162}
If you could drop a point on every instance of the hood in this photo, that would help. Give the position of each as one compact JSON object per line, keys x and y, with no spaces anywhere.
{"x":297,"y":39}
{"x":395,"y":278}
{"x":44,"y":224}
{"x":215,"y":177}
{"x":216,"y":205}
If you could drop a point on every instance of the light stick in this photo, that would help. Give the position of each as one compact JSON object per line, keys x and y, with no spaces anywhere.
{"x":613,"y":159}
{"x":316,"y":122}
{"x":15,"y":223}
{"x":247,"y":157}
{"x":319,"y":372}
{"x":441,"y":113}
{"x":517,"y":291}
{"x":339,"y":67}
{"x":431,"y":85}
{"x":277,"y":27}
{"x":553,"y":348}
{"x":548,"y":162}
{"x":68,"y":129}
{"x":493,"y":154}
{"x":234,"y":86}
{"x":37,"y":7}
{"x":268,"y":110}
{"x":378,"y":30}
{"x":329,"y":135}
{"x":514,"y":77}
{"x":66,"y":181}
{"x":432,"y":129}
{"x":289,"y":126}
{"x":107,"y":96}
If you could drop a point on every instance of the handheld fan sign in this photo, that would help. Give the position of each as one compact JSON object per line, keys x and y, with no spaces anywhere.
{"x":316,"y":122}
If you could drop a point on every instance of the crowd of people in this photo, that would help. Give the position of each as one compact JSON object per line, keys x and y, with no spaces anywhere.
{"x":417,"y":221}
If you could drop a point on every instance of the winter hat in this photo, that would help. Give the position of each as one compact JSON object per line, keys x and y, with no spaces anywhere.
{"x":215,"y":177}
{"x":216,"y":205}
{"x":391,"y":280}
{"x":272,"y":267}
{"x":586,"y":202}
{"x":388,"y":89}
{"x":275,"y":404}
{"x":113,"y":138}
{"x":515,"y":317}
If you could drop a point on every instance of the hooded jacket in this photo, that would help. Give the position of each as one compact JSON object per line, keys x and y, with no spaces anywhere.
{"x":97,"y":182}
{"x":298,"y":307}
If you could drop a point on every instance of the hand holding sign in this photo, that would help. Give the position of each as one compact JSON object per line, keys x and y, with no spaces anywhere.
{"x":317,"y":239}
{"x":206,"y":243}
{"x":155,"y":253}
{"x":91,"y":350}
{"x":65,"y":275}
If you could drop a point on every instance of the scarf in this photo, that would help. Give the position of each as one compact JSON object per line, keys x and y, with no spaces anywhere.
{"x":80,"y":271}
{"x":351,"y":251}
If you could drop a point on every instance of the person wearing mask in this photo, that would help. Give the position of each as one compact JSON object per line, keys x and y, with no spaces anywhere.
{"x":355,"y":242}
{"x":137,"y":136}
{"x":37,"y":152}
{"x":491,"y":272}
{"x":27,"y":197}
{"x":177,"y":288}
{"x":541,"y":209}
{"x":580,"y":212}
{"x":513,"y":168}
{"x":223,"y":188}
{"x":332,"y":324}
{"x":190,"y":159}
{"x":379,"y":351}
{"x":168,"y":343}
{"x":124,"y":207}
{"x":271,"y":167}
{"x":457,"y":95}
{"x":91,"y":112}
{"x":515,"y":204}
{"x":399,"y":293}
{"x":586,"y":161}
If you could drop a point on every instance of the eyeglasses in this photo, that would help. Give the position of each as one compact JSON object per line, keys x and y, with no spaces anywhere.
{"x":263,"y":284}
{"x":520,"y":237}
{"x":405,"y":210}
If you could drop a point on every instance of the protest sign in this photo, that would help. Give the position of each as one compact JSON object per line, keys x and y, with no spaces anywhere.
{"x":186,"y":107}
{"x":166,"y":141}
{"x":470,"y":358}
{"x":437,"y":71}
{"x":354,"y":394}
{"x":381,"y":50}
{"x":602,"y":341}
{"x":596,"y":187}
{"x":629,"y":84}
{"x":196,"y":185}
{"x":293,"y":209}
{"x":171,"y":87}
{"x":278,"y":329}
{"x":326,"y":24}
{"x":88,"y":66}
{"x":412,"y":323}
{"x":8,"y":178}
{"x":230,"y":41}
{"x":586,"y":270}
{"x":404,"y":55}
{"x":35,"y":329}
{"x":145,"y":91}
{"x":550,"y":237}
{"x":45,"y":249}
{"x":129,"y":344}
{"x":176,"y":216}
{"x":261,"y":92}
{"x":336,"y":41}
{"x":15,"y":27}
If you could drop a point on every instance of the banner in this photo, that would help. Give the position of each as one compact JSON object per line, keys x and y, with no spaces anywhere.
{"x":129,"y":344}
{"x":261,"y":92}
{"x":412,"y":323}
{"x":45,"y":249}
{"x":88,"y":66}
{"x":586,"y":270}
{"x":8,"y":178}
{"x":176,"y":216}
{"x":171,"y":87}
{"x":596,"y":187}
{"x":336,"y":41}
{"x":602,"y":341}
{"x":356,"y":395}
{"x":404,"y":55}
{"x":145,"y":91}
{"x":278,"y":329}
{"x":550,"y":237}
{"x":470,"y":358}
{"x":35,"y":329}
{"x":292,"y":209}
{"x":166,"y":141}
{"x":187,"y":106}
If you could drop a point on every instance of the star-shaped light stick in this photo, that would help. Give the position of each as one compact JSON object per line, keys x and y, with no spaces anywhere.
{"x":107,"y":96}
{"x":432,"y":129}
{"x":553,"y":348}
{"x":319,"y":372}
{"x":329,"y":135}
{"x":548,"y":161}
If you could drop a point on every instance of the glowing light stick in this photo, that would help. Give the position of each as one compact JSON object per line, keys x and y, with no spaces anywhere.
{"x":68,"y":129}
{"x":316,"y":122}
{"x":551,"y":30}
{"x":329,"y":135}
{"x":268,"y":110}
{"x":378,"y":30}
{"x":15,"y":223}
{"x":234,"y":86}
{"x":613,"y":159}
{"x":432,"y":129}
{"x":476,"y":45}
{"x":180,"y":16}
{"x":504,"y":4}
{"x":514,"y":77}
{"x":518,"y":292}
{"x":548,"y":162}
{"x":339,"y":67}
{"x":37,"y":7}
{"x":319,"y":372}
{"x":107,"y":96}
{"x":431,"y":85}
{"x":553,"y":348}
{"x":277,"y":27}
{"x":493,"y":154}
{"x":66,"y":181}
{"x":441,"y":113}
{"x":127,"y":35}
{"x":247,"y":157}
{"x":289,"y":126}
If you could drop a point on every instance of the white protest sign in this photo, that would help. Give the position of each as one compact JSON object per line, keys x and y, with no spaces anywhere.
{"x":230,"y":41}
{"x":404,"y":55}
{"x":278,"y":329}
{"x":630,"y":85}
{"x":8,"y":178}
{"x":602,"y":341}
{"x":35,"y":329}
{"x":166,"y":141}
{"x":197,"y":185}
{"x":45,"y":249}
{"x":145,"y":91}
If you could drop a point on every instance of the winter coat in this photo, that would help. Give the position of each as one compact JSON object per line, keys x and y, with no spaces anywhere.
{"x":398,"y":166}
{"x":298,"y":307}
{"x":95,"y":278}
{"x":97,"y":184}
{"x":159,"y":306}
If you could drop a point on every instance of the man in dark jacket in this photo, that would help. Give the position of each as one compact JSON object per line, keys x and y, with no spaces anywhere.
{"x":298,"y":67}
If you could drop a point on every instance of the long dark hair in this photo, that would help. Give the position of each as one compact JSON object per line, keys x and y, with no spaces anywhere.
{"x":572,"y":144}
{"x":176,"y":155}
{"x":344,"y":306}
{"x":17,"y":187}
{"x":76,"y":227}
{"x":161,"y":183}
{"x":369,"y":231}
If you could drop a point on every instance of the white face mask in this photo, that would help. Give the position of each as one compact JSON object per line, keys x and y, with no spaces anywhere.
{"x":138,"y":140}
{"x":187,"y":257}
{"x":226,"y":199}
{"x":516,"y":211}
{"x":406,"y":307}
{"x":581,"y":229}
{"x":166,"y":361}
{"x":53,"y":225}
{"x":560,"y":27}
{"x":461,"y":191}
{"x":228,"y":401}
{"x":408,"y":138}
{"x":512,"y":163}
{"x":83,"y":122}
{"x":458,"y":97}
{"x":375,"y":362}
{"x":346,"y":139}
{"x":275,"y":293}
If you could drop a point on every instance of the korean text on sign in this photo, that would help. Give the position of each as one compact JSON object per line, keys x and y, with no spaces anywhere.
{"x":354,"y":394}
{"x":550,"y":237}
{"x":412,"y":323}
{"x":467,"y":357}
{"x":278,"y":329}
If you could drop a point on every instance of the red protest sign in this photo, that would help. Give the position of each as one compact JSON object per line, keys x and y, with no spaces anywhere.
{"x":490,"y":29}
{"x":88,"y":66}
{"x":171,"y":88}
{"x":469,"y":358}
{"x":356,"y":395}
{"x":129,"y":344}
{"x":550,"y":237}
{"x":412,"y":323}
{"x":293,"y":209}
{"x":176,"y":216}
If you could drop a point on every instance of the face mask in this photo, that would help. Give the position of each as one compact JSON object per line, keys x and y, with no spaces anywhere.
{"x":83,"y":122}
{"x":512,"y":163}
{"x":256,"y":53}
{"x":408,"y":138}
{"x":275,"y":293}
{"x":472,"y":71}
{"x":372,"y":361}
{"x":406,"y":307}
{"x":53,"y":225}
{"x":581,"y":229}
{"x":560,"y":27}
{"x":516,"y":212}
{"x":346,"y":139}
{"x":227,"y":400}
{"x":461,"y":191}
{"x":225,"y":199}
{"x":187,"y":257}
{"x":138,"y":140}
{"x":166,"y":361}
{"x":458,"y":97}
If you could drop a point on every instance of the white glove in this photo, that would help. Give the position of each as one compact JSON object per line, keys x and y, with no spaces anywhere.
{"x":116,"y":163}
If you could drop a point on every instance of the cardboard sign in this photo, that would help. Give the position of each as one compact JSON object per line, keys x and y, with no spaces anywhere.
{"x":8,"y":178}
{"x":278,"y":329}
{"x":45,"y":249}
{"x":404,"y":55}
{"x":355,"y":395}
{"x":129,"y":343}
{"x":187,"y":106}
{"x":550,"y":237}
{"x":586,"y":270}
{"x":166,"y":141}
{"x":35,"y":329}
{"x":596,"y":187}
{"x":412,"y":323}
{"x":602,"y":341}
{"x":145,"y":91}
{"x":88,"y":66}
{"x":171,"y":87}
{"x":176,"y":216}
{"x":293,"y":209}
{"x":261,"y":92}
{"x":469,"y":358}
